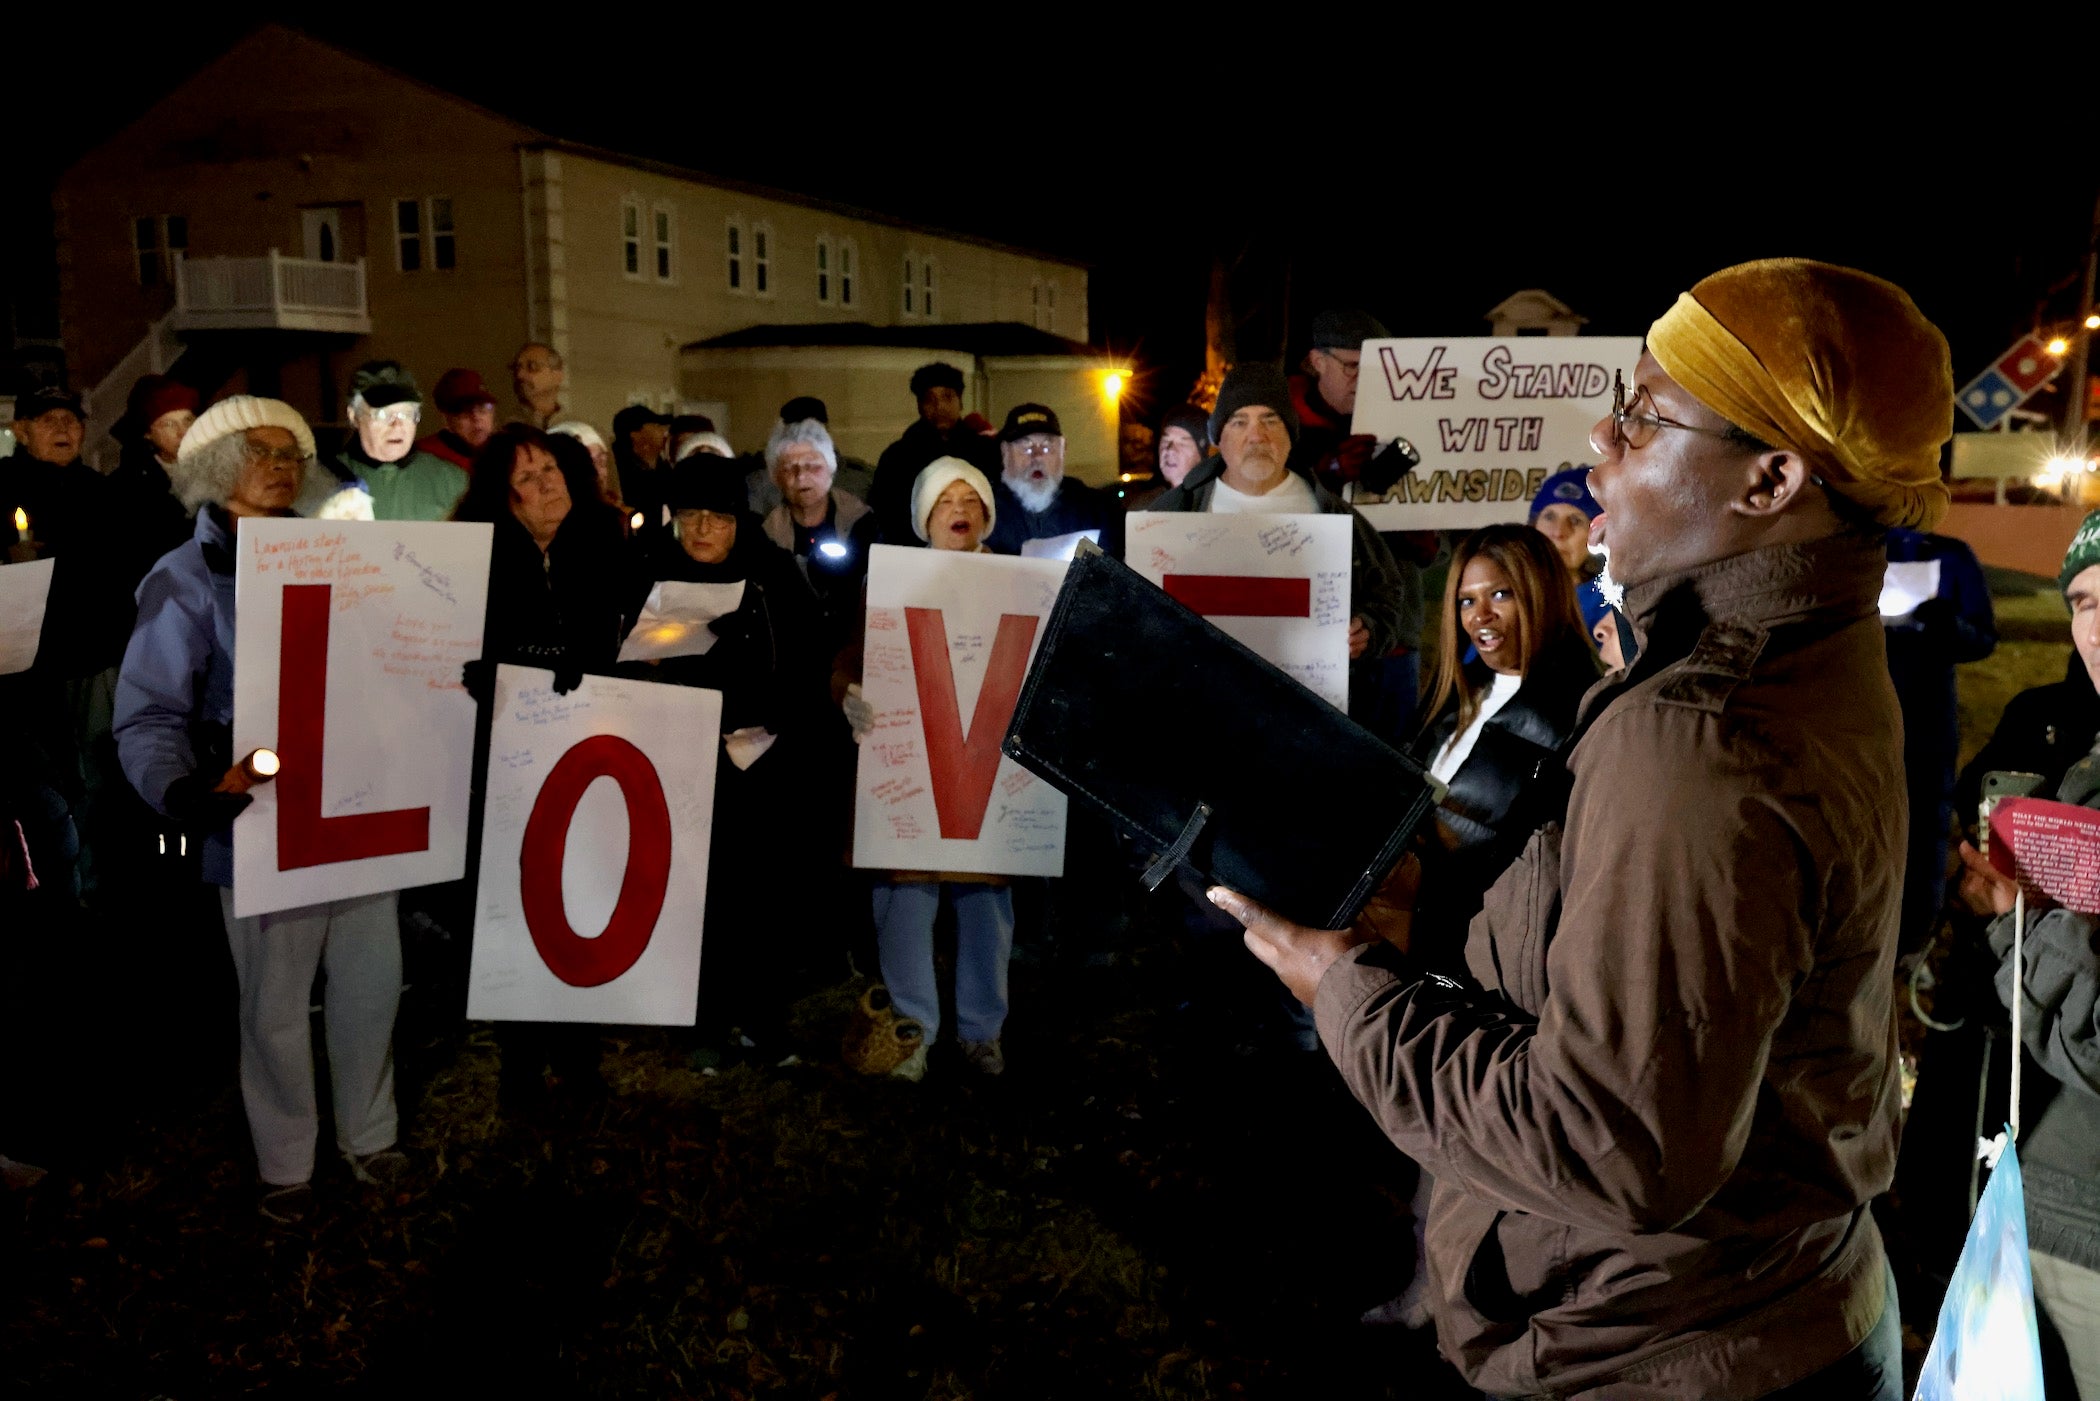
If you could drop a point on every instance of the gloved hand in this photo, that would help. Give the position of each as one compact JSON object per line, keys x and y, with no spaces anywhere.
{"x":197,"y":809}
{"x":860,"y":716}
{"x":1392,"y":462}
{"x":1936,"y":617}
{"x":734,"y":627}
{"x":567,"y":679}
{"x":478,"y":677}
{"x":1353,"y":454}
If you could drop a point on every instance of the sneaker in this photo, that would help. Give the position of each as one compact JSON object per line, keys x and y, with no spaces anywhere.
{"x":913,"y":1066}
{"x":382,"y":1169}
{"x":288,"y":1205}
{"x":985,"y":1056}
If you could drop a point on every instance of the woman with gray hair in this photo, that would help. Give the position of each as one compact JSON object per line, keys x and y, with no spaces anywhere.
{"x":826,"y":528}
{"x":248,"y":457}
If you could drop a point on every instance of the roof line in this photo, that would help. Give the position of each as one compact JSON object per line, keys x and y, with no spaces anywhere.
{"x":758,"y":191}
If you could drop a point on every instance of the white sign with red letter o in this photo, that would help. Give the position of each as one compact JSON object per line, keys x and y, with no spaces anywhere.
{"x":594,"y":851}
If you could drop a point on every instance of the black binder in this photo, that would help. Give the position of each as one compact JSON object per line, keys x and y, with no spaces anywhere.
{"x":1213,"y":759}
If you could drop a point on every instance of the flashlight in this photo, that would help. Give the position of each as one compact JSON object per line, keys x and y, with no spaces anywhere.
{"x":260,"y":766}
{"x":832,"y":549}
{"x":635,"y":521}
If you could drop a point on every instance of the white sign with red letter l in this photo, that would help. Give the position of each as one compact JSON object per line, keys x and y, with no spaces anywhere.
{"x":348,"y":643}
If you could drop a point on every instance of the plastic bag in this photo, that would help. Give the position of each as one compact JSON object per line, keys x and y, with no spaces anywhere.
{"x":1985,"y":1345}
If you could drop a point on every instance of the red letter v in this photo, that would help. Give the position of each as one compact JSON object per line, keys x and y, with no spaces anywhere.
{"x":962,"y":768}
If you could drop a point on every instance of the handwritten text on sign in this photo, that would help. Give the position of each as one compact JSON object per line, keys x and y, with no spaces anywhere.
{"x":948,"y":643}
{"x":349,"y":640}
{"x":1279,"y":585}
{"x":1492,"y":416}
{"x":594,"y":851}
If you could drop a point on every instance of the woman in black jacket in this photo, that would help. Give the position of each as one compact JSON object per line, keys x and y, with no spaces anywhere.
{"x":1513,"y":662}
{"x":557,"y":577}
{"x":772,"y":868}
{"x":1500,"y":721}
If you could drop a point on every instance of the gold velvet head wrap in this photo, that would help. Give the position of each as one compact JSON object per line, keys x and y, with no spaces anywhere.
{"x":1828,"y":362}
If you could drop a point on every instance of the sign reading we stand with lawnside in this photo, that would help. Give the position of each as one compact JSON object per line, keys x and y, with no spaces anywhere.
{"x":1491,"y":416}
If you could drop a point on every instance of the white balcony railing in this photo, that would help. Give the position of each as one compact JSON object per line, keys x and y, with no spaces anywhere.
{"x":270,"y":293}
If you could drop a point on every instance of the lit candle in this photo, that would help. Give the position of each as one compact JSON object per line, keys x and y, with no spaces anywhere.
{"x":21,"y":525}
{"x":634,"y":520}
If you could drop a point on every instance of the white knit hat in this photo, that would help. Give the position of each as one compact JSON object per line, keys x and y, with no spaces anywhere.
{"x":240,"y":413}
{"x":579,"y":430}
{"x":936,"y":478}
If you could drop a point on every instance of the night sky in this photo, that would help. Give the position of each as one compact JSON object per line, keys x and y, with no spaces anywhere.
{"x":1144,"y":157}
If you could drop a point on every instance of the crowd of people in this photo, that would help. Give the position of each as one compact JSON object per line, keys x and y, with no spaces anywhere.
{"x":1628,"y":1009}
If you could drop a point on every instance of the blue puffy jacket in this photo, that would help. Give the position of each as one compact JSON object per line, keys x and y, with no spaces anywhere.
{"x":175,"y":691}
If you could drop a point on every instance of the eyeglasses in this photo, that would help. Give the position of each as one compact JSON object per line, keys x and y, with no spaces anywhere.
{"x":274,"y":457}
{"x":395,"y":413}
{"x":1030,"y":448}
{"x":1351,"y":367}
{"x":706,"y":520}
{"x":1637,"y":430}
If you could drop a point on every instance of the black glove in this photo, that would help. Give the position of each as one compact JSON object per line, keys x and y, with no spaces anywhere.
{"x":1392,"y":462}
{"x":196,"y":809}
{"x":1936,"y":617}
{"x":567,"y":679}
{"x":734,"y":627}
{"x":479,"y":679}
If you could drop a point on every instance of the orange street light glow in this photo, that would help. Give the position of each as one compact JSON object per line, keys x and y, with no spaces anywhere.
{"x":1112,"y":384}
{"x":2092,"y":323}
{"x":2057,"y":345}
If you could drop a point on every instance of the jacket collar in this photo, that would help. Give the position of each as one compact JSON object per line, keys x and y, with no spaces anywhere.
{"x":1212,"y":468}
{"x":1839,"y":576}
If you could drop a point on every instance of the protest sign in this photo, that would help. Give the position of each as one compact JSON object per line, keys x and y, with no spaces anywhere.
{"x":1278,"y":584}
{"x":348,"y":643}
{"x":1492,"y":417}
{"x":594,"y":851}
{"x":2051,"y":848}
{"x":1058,"y":546}
{"x":24,"y":590}
{"x":948,"y":643}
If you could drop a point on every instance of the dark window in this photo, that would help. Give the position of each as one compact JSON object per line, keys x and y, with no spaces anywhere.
{"x":442,"y":253}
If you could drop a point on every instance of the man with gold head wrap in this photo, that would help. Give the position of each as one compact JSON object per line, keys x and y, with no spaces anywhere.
{"x":1657,"y":1118}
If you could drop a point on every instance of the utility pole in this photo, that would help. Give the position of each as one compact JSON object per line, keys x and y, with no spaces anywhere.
{"x":2075,"y":373}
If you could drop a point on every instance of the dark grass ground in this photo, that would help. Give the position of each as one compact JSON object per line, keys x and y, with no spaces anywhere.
{"x":1136,"y":1210}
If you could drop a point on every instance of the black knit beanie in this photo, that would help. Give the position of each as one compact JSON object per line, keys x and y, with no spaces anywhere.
{"x":1257,"y":383}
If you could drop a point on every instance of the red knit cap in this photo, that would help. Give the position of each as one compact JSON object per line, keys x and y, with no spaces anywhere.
{"x":156,"y":395}
{"x":460,"y":390}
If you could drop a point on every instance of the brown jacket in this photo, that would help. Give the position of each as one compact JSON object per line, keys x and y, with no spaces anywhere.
{"x":1655,"y":1134}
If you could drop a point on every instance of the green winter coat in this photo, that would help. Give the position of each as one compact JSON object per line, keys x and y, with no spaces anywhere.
{"x":420,"y":487}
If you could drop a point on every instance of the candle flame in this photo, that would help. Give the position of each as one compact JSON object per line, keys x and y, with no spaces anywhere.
{"x":21,"y":519}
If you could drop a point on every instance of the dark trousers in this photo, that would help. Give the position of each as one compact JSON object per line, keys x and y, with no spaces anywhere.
{"x":1873,"y":1371}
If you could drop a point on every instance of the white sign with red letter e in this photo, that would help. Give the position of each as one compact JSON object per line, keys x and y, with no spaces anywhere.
{"x":1279,"y":585}
{"x":594,"y":851}
{"x":348,"y":644}
{"x":948,"y":643}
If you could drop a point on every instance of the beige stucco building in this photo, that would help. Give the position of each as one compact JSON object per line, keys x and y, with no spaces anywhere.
{"x":293,"y":210}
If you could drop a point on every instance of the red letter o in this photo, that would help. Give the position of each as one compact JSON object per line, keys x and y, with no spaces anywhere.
{"x":577,"y":961}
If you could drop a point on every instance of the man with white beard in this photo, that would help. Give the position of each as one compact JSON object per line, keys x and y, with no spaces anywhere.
{"x":1035,"y":502}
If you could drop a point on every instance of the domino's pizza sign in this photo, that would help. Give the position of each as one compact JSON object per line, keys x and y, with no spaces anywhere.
{"x":2007,"y":384}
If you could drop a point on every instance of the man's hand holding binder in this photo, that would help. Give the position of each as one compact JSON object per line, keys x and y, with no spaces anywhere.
{"x":1302,"y":956}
